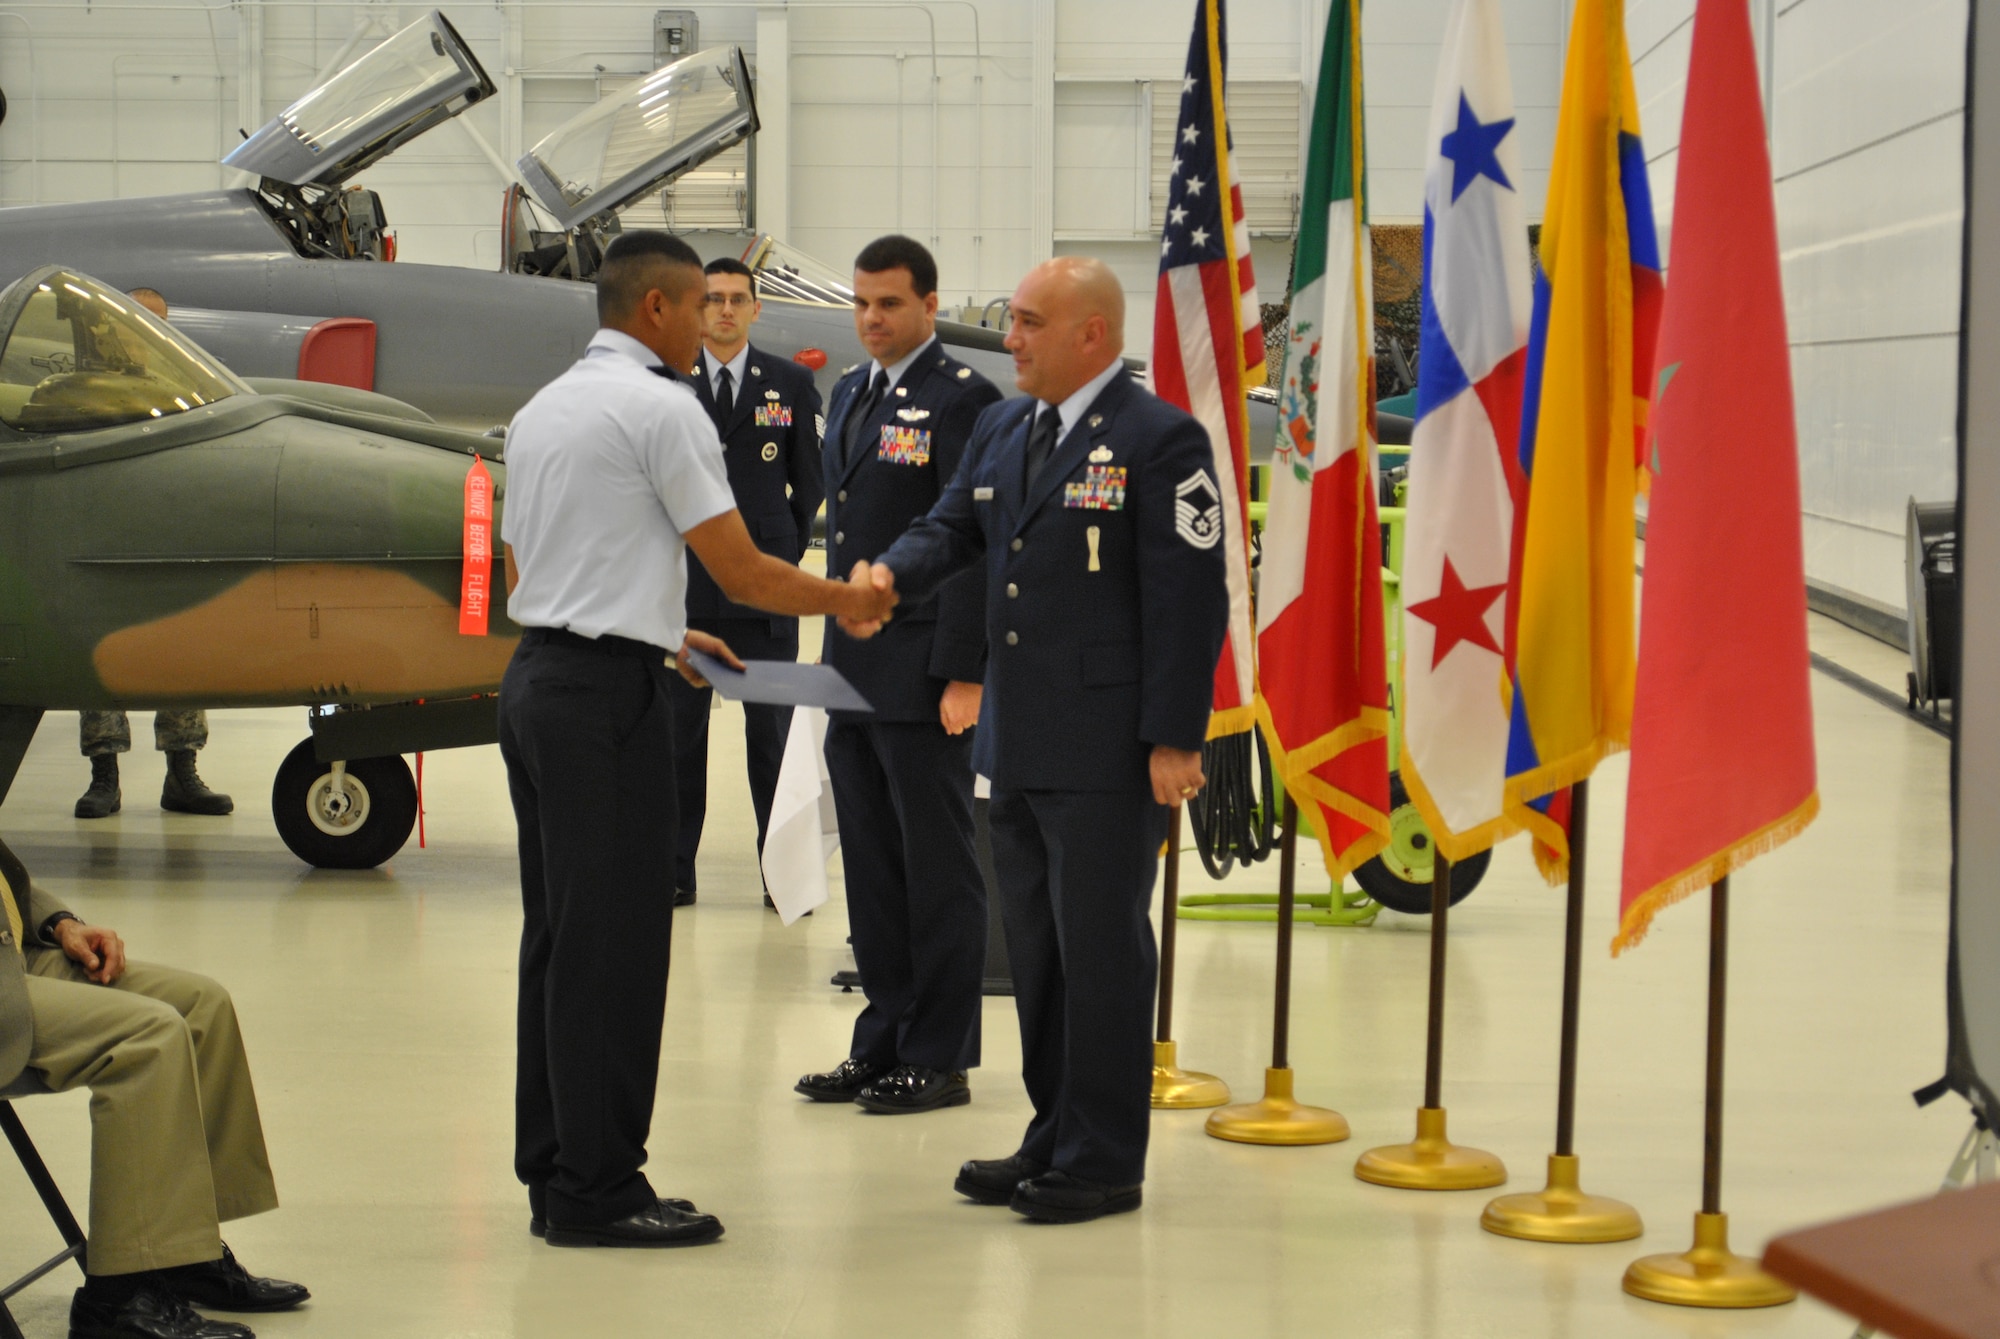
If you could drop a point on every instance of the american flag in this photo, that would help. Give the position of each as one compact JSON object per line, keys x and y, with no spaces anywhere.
{"x":1208,"y":335}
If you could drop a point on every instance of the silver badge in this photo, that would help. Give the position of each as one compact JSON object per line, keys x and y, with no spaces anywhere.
{"x":756,"y":371}
{"x":770,"y":450}
{"x":770,"y":395}
{"x":1198,"y":511}
{"x":913,"y":414}
{"x":1100,"y":455}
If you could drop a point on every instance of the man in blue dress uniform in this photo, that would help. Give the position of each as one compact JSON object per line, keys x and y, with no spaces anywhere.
{"x":902,"y":777}
{"x":1093,"y":505}
{"x":766,"y":410}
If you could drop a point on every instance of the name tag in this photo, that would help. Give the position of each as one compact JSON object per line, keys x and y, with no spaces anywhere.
{"x":1102,"y":489}
{"x":904,"y":446}
{"x":773,"y":416}
{"x":982,"y":495}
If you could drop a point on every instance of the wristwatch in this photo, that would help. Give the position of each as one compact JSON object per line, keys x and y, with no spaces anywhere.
{"x":48,"y":930}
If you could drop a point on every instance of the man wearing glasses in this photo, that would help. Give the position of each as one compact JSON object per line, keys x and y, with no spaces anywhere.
{"x":766,"y":410}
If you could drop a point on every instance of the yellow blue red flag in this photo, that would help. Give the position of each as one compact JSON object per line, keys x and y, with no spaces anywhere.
{"x":1570,"y":640}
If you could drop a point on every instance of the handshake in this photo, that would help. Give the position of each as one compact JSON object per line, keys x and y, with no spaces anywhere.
{"x":874,"y":590}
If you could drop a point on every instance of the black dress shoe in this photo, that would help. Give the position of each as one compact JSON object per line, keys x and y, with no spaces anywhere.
{"x":911,"y":1088}
{"x":1058,"y":1197}
{"x":683,"y":897}
{"x":992,"y":1181}
{"x":147,"y":1314}
{"x":539,"y":1228}
{"x":658,"y":1224}
{"x":840,"y":1083}
{"x":225,"y":1285}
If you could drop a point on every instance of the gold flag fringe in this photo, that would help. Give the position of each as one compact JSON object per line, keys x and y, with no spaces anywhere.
{"x":1638,"y":918}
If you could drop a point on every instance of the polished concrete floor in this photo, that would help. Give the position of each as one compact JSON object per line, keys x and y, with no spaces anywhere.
{"x":378,"y":1008}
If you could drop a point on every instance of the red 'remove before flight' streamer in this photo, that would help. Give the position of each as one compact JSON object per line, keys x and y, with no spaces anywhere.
{"x":476,"y":593}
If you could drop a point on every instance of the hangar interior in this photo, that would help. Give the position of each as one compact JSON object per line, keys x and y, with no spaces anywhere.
{"x":378,"y":1003}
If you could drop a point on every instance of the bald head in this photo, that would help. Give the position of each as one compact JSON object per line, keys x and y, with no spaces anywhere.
{"x":1069,"y":325}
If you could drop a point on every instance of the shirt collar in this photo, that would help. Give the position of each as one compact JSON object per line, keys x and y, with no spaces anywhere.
{"x":1071,"y":410}
{"x":619,"y":344}
{"x":710,"y":368}
{"x":896,"y":372}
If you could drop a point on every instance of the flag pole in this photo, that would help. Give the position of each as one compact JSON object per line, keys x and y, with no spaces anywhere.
{"x":1710,"y":1274}
{"x":1278,"y":1118}
{"x":1562,"y":1212}
{"x":1431,"y":1161}
{"x":1175,"y":1088}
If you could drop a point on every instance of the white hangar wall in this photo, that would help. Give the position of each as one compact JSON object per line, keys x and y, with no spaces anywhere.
{"x":1865,"y":106}
{"x":1003,"y":131}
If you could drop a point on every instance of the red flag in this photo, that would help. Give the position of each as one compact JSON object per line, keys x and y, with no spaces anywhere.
{"x":1722,"y":731}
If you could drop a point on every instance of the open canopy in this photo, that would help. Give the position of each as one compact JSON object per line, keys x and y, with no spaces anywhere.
{"x":78,"y":355}
{"x":422,"y":76}
{"x":675,"y":119}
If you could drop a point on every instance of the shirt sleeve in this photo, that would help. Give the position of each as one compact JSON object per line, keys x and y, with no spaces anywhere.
{"x":682,"y":459}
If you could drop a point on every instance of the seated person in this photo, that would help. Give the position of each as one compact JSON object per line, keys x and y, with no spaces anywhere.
{"x":176,"y":1146}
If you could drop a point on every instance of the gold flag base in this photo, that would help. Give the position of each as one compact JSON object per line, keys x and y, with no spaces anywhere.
{"x":1431,"y":1161}
{"x":1562,"y":1212}
{"x":1708,"y":1275}
{"x":1277,"y":1119}
{"x":1177,"y":1089}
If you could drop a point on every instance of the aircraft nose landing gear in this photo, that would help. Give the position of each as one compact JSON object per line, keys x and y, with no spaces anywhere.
{"x":343,"y":815}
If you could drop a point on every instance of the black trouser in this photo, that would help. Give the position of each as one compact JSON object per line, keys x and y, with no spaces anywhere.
{"x":764,"y":729}
{"x":916,"y":904}
{"x":586,"y":730}
{"x":1076,"y":882}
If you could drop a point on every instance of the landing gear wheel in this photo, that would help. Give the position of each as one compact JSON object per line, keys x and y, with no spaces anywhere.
{"x":348,"y":818}
{"x":1400,"y":878}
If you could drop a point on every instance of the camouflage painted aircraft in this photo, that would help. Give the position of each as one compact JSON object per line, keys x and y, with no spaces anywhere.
{"x":256,"y":274}
{"x":170,"y":537}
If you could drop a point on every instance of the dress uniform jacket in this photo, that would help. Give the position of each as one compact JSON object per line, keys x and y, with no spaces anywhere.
{"x":771,"y":448}
{"x":906,"y":454}
{"x":1107,"y":601}
{"x":1106,"y":594}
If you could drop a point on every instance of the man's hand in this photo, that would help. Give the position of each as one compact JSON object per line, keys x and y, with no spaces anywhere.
{"x":1176,"y":775}
{"x":875,"y":595}
{"x":709,"y":644}
{"x":959,"y":708}
{"x":100,"y":952}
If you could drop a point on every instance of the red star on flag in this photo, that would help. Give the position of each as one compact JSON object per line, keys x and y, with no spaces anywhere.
{"x":1458,"y":614}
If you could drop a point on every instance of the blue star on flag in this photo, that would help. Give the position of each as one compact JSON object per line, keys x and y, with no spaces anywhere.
{"x":1473,"y":149}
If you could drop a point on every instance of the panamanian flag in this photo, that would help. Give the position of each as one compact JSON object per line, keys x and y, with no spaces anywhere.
{"x":1465,"y":476}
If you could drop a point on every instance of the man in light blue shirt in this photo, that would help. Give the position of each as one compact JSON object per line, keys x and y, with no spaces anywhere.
{"x":614,"y":470}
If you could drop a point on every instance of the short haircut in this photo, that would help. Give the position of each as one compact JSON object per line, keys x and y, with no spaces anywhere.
{"x":731,"y":265}
{"x":897,"y":252}
{"x":635,"y":264}
{"x":140,"y":295}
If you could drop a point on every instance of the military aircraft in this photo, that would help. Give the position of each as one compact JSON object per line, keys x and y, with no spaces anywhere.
{"x":170,"y":537}
{"x":257,"y":273}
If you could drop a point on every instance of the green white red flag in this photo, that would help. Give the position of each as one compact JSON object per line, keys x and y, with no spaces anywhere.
{"x":1722,"y":730}
{"x":1325,"y":691}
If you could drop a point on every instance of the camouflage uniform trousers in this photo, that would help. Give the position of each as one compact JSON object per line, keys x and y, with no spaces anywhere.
{"x":105,"y":732}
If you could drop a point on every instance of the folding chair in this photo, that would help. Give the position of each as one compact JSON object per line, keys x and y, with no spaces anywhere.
{"x":45,"y":1186}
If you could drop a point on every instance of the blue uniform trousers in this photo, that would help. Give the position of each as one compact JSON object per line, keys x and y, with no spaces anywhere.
{"x":916,"y":904}
{"x":586,"y":730}
{"x":1076,"y":883}
{"x":764,"y":730}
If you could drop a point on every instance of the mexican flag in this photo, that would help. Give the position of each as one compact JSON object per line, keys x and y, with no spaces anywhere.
{"x":1319,"y":609}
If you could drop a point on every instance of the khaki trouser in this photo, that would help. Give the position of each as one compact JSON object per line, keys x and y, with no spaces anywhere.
{"x":176,"y":1147}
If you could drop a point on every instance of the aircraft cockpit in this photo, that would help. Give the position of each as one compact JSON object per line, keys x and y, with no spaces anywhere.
{"x":422,"y":76}
{"x":619,"y":151}
{"x":78,"y":355}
